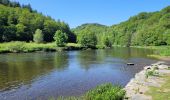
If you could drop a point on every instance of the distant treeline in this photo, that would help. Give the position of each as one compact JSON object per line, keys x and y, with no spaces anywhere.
{"x":15,"y":4}
{"x":19,"y":23}
{"x":143,"y":29}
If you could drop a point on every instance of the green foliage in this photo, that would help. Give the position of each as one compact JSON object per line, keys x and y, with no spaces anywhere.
{"x":20,"y":23}
{"x":38,"y":36}
{"x":151,"y":73}
{"x":60,"y":38}
{"x":17,"y":46}
{"x":162,"y":92}
{"x":169,"y":68}
{"x":107,"y":41}
{"x":87,"y":40}
{"x":101,"y":92}
{"x":149,"y":29}
{"x":106,"y":92}
{"x":90,"y":35}
{"x":25,"y":47}
{"x":162,"y":50}
{"x":167,"y":36}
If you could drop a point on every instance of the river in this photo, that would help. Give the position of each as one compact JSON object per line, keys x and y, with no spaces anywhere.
{"x":32,"y":76}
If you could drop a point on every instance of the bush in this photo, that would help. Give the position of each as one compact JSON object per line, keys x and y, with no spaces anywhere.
{"x":60,"y":38}
{"x":151,"y":73}
{"x":105,"y":92}
{"x":101,"y":92}
{"x":38,"y":36}
{"x":107,"y":42}
{"x":15,"y":46}
{"x":87,"y":40}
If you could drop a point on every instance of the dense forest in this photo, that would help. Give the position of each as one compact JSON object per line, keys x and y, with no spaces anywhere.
{"x":21,"y":22}
{"x":143,"y":29}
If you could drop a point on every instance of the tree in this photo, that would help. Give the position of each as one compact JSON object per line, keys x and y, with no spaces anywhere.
{"x":60,"y":38}
{"x":87,"y":40}
{"x":9,"y":33}
{"x":167,"y":37}
{"x":107,"y":41}
{"x":168,"y":40}
{"x":27,"y":7}
{"x":23,"y":22}
{"x":38,"y":36}
{"x":5,"y":2}
{"x":21,"y":34}
{"x":49,"y":29}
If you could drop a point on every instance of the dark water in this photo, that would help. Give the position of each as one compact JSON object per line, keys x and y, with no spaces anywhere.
{"x":43,"y":75}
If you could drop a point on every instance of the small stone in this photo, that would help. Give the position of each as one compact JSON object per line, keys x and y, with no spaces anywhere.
{"x":147,"y":67}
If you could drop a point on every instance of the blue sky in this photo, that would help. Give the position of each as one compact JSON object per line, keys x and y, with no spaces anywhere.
{"x":107,"y":12}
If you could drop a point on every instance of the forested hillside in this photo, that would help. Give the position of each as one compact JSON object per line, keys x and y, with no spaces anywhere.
{"x":89,"y":32}
{"x":143,"y":29}
{"x":19,"y":23}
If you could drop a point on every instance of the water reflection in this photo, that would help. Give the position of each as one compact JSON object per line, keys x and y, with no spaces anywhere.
{"x":126,"y":53}
{"x":116,"y":55}
{"x":41,"y":75}
{"x":19,"y":69}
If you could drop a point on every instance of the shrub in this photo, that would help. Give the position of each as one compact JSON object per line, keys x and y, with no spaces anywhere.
{"x":60,"y":38}
{"x":106,"y":92}
{"x":101,"y":92}
{"x":87,"y":40}
{"x":107,"y":42}
{"x":15,"y":46}
{"x":38,"y":36}
{"x":151,"y":73}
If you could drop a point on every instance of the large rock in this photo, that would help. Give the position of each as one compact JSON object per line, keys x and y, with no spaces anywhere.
{"x":138,"y":86}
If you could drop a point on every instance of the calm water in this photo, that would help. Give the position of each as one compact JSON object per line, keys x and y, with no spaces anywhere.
{"x":43,"y":75}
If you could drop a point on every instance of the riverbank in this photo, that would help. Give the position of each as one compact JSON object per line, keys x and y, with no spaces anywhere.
{"x":151,"y":78}
{"x":23,"y":47}
{"x":160,"y":52}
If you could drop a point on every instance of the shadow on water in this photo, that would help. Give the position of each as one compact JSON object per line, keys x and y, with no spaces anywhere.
{"x":19,"y":69}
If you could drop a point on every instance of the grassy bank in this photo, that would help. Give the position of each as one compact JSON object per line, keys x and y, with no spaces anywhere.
{"x":16,"y":47}
{"x":159,"y":51}
{"x":161,"y":93}
{"x":101,"y":92}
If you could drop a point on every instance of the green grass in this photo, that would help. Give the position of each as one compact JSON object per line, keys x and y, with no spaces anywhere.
{"x":155,"y":56}
{"x":162,"y":93}
{"x":159,"y":51}
{"x":73,"y":45}
{"x":151,"y":73}
{"x":16,"y":47}
{"x":169,"y":68}
{"x":25,"y":47}
{"x":101,"y":92}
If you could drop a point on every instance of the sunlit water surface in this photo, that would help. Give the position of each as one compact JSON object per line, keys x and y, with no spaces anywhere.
{"x":41,"y":76}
